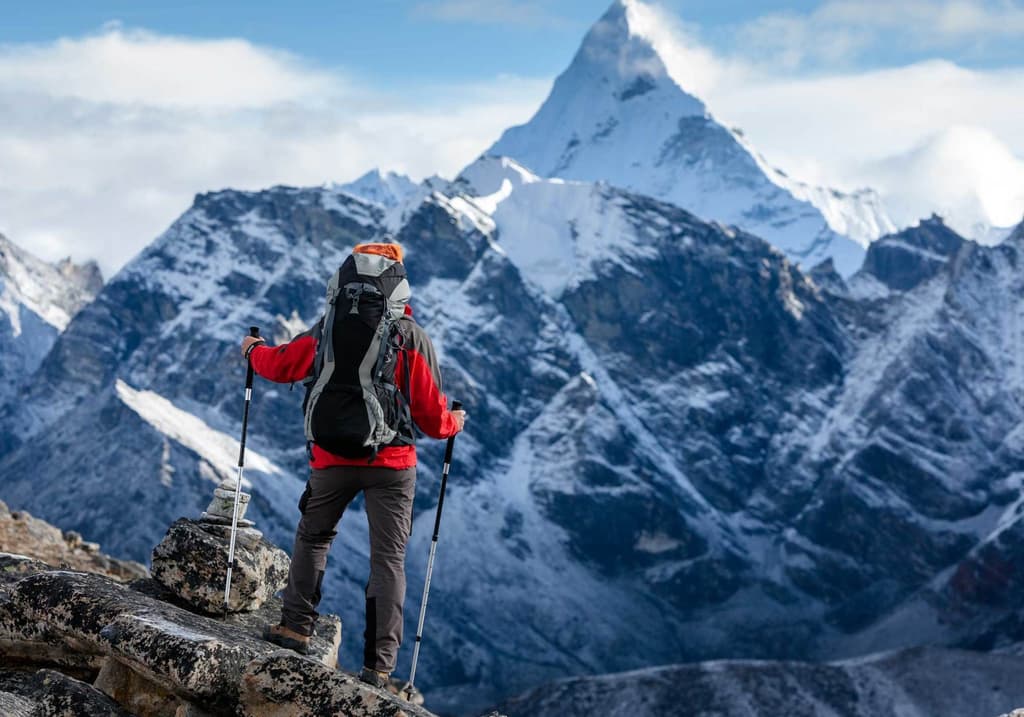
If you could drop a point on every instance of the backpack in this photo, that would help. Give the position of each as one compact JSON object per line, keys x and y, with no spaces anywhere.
{"x":353,"y":407}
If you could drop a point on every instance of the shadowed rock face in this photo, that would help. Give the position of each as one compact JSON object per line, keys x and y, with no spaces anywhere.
{"x":907,"y":259}
{"x":53,"y":694}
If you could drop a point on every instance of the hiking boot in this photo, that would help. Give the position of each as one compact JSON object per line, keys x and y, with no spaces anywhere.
{"x":375,"y":678}
{"x":382,"y":680}
{"x":286,"y":637}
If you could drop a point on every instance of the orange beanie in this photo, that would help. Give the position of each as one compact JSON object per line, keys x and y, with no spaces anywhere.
{"x":391,"y":251}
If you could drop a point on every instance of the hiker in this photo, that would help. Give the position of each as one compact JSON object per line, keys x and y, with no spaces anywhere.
{"x":351,"y":449}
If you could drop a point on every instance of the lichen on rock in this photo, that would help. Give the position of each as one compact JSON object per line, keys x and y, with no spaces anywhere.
{"x":284,"y":684}
{"x":191,"y":561}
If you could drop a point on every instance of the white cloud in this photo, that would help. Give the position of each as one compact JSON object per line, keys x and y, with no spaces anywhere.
{"x":840,"y":31}
{"x":105,"y":139}
{"x":138,"y":67}
{"x":934,"y":19}
{"x":962,"y":172}
{"x":964,"y":130}
{"x":930,"y":136}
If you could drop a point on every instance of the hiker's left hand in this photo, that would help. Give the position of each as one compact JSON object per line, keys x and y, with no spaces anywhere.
{"x":249,"y":341}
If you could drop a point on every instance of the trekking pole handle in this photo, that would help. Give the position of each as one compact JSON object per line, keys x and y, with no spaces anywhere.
{"x":456,"y":406}
{"x":254,"y":331}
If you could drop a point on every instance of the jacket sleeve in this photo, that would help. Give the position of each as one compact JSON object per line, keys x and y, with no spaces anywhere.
{"x":428,"y":404}
{"x":286,"y":363}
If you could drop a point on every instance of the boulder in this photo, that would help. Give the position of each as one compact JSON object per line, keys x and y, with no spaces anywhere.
{"x":14,"y":567}
{"x":27,"y":644}
{"x":284,"y":684}
{"x":52,"y":694}
{"x":191,"y":561}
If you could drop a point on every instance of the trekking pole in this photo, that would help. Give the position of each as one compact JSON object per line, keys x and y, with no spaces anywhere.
{"x":254,"y":331}
{"x":410,"y":687}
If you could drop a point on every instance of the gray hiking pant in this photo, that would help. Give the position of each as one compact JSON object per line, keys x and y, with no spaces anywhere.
{"x":389,"y":497}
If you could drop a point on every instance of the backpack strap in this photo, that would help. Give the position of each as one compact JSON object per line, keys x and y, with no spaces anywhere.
{"x":406,"y":436}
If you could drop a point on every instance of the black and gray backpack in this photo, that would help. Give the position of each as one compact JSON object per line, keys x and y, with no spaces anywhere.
{"x":353,"y":407}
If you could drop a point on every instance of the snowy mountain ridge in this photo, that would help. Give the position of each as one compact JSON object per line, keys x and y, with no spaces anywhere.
{"x":53,"y":292}
{"x":728,"y":537}
{"x":922,"y":682}
{"x":37,"y":300}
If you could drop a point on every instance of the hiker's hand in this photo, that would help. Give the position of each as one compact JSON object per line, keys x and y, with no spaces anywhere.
{"x":460,"y":419}
{"x":249,"y":341}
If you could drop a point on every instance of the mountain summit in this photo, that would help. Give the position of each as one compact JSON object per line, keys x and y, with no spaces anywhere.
{"x":618,"y":114}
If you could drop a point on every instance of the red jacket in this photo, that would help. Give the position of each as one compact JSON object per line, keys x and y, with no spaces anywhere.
{"x":293,"y":362}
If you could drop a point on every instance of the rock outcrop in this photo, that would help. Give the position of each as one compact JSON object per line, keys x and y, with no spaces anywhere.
{"x":21,"y":533}
{"x":157,"y":659}
{"x":191,"y":561}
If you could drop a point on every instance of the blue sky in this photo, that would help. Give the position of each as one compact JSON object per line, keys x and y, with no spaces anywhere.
{"x":115,"y":114}
{"x":386,"y":39}
{"x":410,"y":41}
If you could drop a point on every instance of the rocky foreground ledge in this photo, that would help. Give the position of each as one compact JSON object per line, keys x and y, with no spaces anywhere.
{"x":148,"y":657}
{"x":85,"y":635}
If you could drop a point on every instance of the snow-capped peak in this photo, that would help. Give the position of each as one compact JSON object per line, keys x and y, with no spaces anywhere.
{"x":628,"y":46}
{"x":620,"y":114}
{"x":615,"y":87}
{"x":1016,"y":234}
{"x":389,"y":189}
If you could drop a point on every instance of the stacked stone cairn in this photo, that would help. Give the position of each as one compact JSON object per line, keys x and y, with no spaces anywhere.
{"x":83,"y":644}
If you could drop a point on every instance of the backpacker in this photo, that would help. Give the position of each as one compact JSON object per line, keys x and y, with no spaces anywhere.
{"x":353,"y":407}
